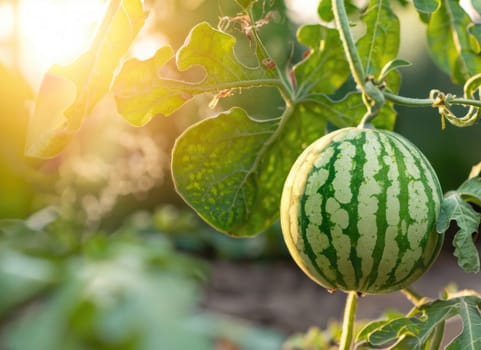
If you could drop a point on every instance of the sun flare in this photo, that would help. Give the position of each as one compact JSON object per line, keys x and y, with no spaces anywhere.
{"x":54,"y":32}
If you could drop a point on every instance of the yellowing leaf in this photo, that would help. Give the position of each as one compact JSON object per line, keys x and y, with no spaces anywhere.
{"x":54,"y":124}
{"x":141,"y":92}
{"x":475,"y":171}
{"x":214,"y":51}
{"x":55,"y":96}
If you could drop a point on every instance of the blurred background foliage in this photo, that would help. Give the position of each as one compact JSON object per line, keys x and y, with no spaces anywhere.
{"x":96,"y":249}
{"x":128,"y":289}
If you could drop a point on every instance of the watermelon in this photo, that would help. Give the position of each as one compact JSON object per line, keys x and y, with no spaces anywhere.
{"x":358,"y":211}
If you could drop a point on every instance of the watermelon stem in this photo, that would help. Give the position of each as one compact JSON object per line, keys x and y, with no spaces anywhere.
{"x":348,"y":321}
{"x":371,"y":94}
{"x":350,"y":49}
{"x":374,"y":100}
{"x":414,"y":297}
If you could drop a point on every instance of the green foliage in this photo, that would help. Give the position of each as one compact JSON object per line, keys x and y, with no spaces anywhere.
{"x":245,"y":3}
{"x":230,"y":168}
{"x":380,"y":44}
{"x":456,"y":207}
{"x":139,"y":78}
{"x":470,"y":190}
{"x":324,"y":9}
{"x":477,"y":6}
{"x":424,"y":325}
{"x":141,"y":94}
{"x":128,"y":290}
{"x":315,"y":339}
{"x":329,"y":338}
{"x":143,"y":89}
{"x":202,"y":179}
{"x":324,"y":69}
{"x":15,"y":187}
{"x":392,"y":66}
{"x":426,"y":6}
{"x":452,"y":46}
{"x":250,"y":179}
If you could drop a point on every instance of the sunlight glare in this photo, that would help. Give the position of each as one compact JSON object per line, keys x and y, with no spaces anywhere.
{"x":303,"y":11}
{"x":55,"y":32}
{"x":6,"y":22}
{"x":149,"y":39}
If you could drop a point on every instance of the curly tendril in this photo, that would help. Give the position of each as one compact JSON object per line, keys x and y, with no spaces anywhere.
{"x":443,"y":101}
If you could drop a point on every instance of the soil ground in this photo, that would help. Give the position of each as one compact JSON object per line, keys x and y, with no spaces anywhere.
{"x":279,"y":296}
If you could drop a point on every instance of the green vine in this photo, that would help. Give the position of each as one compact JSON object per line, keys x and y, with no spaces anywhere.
{"x":442,"y":102}
{"x":352,"y":56}
{"x":373,"y":91}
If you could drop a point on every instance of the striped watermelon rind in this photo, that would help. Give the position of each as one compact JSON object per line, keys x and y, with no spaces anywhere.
{"x":358,"y":211}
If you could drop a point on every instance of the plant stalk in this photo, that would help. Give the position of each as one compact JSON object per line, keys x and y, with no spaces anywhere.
{"x":465,"y":102}
{"x":427,"y":102}
{"x":414,"y":297}
{"x":342,"y":24}
{"x":408,"y":101}
{"x":348,"y":321}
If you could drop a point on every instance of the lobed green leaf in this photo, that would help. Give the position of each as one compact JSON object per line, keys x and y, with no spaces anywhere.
{"x":141,"y":93}
{"x":69,"y":93}
{"x":392,"y":66}
{"x":472,"y":86}
{"x":401,"y":332}
{"x":469,"y":309}
{"x":380,"y":44}
{"x":453,"y":207}
{"x":348,"y":111}
{"x":426,"y":6}
{"x":364,"y":333}
{"x":231,"y":168}
{"x":416,"y":330}
{"x":452,"y":46}
{"x":325,"y":68}
{"x":213,"y":50}
{"x":475,"y":30}
{"x":470,"y":190}
{"x":324,"y":10}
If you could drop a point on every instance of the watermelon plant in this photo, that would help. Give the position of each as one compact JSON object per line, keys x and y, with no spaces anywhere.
{"x":361,"y":208}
